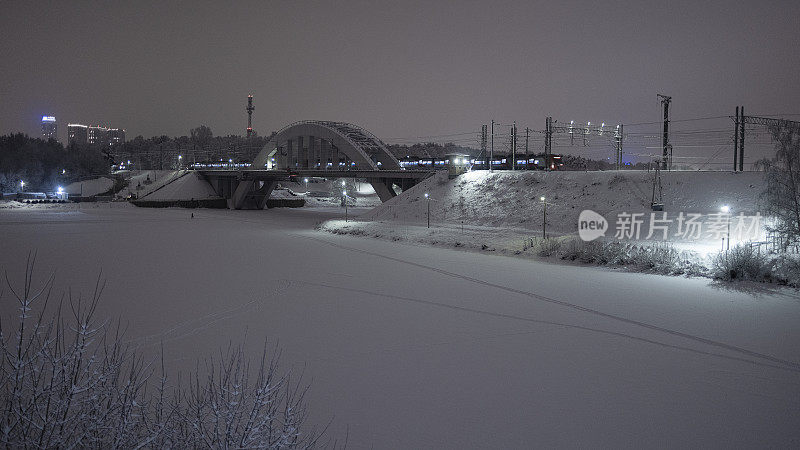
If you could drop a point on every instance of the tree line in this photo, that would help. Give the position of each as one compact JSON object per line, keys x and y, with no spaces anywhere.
{"x":163,"y":152}
{"x":45,"y":164}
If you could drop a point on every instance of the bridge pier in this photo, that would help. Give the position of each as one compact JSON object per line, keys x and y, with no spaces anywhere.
{"x":251,"y":194}
{"x":383,"y":187}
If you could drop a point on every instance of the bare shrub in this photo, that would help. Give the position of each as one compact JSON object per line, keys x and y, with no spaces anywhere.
{"x":646,"y":257}
{"x":548,"y":246}
{"x":741,"y":262}
{"x":786,"y":269}
{"x":67,"y":380}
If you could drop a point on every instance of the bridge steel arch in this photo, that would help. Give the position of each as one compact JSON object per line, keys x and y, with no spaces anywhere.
{"x":310,"y":144}
{"x":358,"y":144}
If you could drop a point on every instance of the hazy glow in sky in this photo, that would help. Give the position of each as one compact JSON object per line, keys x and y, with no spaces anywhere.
{"x":400,"y":69}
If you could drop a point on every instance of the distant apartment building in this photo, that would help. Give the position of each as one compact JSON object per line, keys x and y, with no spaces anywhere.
{"x":49,"y":128}
{"x":116,"y":136}
{"x":77,"y":134}
{"x":98,"y":136}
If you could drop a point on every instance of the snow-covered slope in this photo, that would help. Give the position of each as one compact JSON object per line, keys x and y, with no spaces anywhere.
{"x":512,"y":199}
{"x":89,"y":188}
{"x":143,"y":182}
{"x":189,"y":186}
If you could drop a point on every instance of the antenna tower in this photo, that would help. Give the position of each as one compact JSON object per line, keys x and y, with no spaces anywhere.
{"x":250,"y":109}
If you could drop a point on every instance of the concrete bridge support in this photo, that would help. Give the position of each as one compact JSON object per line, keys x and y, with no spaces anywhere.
{"x":251,"y":194}
{"x":383,"y":187}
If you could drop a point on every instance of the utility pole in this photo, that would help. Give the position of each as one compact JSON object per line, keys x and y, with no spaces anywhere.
{"x":491,"y":149}
{"x":618,"y":139}
{"x":741,"y":138}
{"x":665,"y":100}
{"x":484,"y":137}
{"x":527,"y":156}
{"x":548,"y":141}
{"x":514,"y":146}
{"x":735,"y":138}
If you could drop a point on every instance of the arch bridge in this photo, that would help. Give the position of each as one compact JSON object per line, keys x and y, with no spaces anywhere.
{"x":314,"y":148}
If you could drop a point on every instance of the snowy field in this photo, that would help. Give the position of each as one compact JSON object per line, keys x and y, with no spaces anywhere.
{"x":412,"y":346}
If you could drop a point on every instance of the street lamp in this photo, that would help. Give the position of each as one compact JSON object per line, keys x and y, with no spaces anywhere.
{"x":179,"y":161}
{"x":428,"y":199}
{"x":344,"y":199}
{"x":306,"y":180}
{"x":726,"y":210}
{"x":22,"y":185}
{"x":544,"y":217}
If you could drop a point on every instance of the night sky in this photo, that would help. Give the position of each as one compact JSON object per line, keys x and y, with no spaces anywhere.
{"x":401,"y":69}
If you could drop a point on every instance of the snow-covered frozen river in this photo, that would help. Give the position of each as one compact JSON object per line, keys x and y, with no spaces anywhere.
{"x":423,"y":347}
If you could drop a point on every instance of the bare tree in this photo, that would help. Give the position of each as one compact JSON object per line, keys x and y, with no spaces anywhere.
{"x":782,"y":194}
{"x":68,"y":381}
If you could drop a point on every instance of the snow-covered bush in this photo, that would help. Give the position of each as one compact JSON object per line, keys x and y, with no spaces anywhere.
{"x":648,"y":257}
{"x":68,"y":381}
{"x":548,"y":246}
{"x":786,"y":269}
{"x":741,"y":262}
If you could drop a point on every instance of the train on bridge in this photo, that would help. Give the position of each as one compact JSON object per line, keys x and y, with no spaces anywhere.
{"x":499,"y":162}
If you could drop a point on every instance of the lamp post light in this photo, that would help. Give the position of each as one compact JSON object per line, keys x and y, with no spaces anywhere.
{"x":306,"y":181}
{"x":22,"y":185}
{"x":180,"y":157}
{"x":726,"y":210}
{"x":428,"y":199}
{"x":344,"y":199}
{"x":544,"y":217}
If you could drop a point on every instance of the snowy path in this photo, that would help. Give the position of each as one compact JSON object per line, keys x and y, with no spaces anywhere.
{"x":423,"y":347}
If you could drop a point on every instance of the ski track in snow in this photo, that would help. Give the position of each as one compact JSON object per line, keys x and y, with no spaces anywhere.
{"x":192,"y":326}
{"x":544,"y":322}
{"x":785,"y":363}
